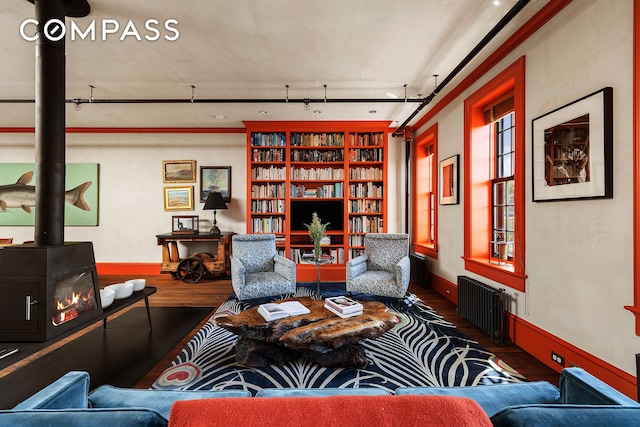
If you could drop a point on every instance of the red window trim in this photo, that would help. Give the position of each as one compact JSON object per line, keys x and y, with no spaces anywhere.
{"x":428,"y":137}
{"x":477,"y":184}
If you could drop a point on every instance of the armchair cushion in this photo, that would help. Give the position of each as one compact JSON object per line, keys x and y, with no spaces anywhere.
{"x":255,"y":251}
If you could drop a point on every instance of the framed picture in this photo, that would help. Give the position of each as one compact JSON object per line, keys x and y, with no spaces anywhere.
{"x":573,"y":150}
{"x":177,"y":171}
{"x":215,"y":178}
{"x":185,"y":224}
{"x":178,"y":198}
{"x":449,"y":174}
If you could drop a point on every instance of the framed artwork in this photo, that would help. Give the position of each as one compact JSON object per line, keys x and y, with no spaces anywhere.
{"x":449,"y":175}
{"x":215,"y":178}
{"x":178,"y":198}
{"x":81,"y":195}
{"x":573,"y":150}
{"x":185,"y":224}
{"x":177,"y":171}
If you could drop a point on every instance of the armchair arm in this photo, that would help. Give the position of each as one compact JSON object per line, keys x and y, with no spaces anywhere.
{"x":237,"y":274}
{"x":68,"y":392}
{"x":285,"y":267}
{"x":356,"y":266}
{"x":577,"y":386}
{"x":403,"y":271}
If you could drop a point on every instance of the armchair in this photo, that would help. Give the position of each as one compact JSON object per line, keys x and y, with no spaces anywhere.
{"x":257,"y":270}
{"x":384,"y":268}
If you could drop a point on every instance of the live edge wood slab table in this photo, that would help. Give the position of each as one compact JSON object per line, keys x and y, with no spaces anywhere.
{"x":321,"y":336}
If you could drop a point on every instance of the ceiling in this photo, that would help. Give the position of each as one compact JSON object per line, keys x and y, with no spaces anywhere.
{"x":249,"y":50}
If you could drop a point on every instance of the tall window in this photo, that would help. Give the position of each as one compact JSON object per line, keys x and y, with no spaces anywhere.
{"x":502,"y":189}
{"x":425,"y":212}
{"x":494,"y":180}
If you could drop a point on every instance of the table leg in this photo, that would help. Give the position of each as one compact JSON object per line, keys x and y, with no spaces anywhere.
{"x":146,"y":303}
{"x":318,"y":277}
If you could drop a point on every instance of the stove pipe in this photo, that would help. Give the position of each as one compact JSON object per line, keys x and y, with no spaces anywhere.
{"x":50,"y":124}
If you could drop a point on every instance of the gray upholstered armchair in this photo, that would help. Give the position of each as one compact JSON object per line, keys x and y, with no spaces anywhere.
{"x":383,"y":269}
{"x":257,"y":270}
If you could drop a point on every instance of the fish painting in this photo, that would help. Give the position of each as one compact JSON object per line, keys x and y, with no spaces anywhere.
{"x":22,"y":195}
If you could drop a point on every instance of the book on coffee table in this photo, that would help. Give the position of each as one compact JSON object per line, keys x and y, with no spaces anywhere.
{"x":275,"y":311}
{"x":343,"y":305}
{"x":344,"y":316}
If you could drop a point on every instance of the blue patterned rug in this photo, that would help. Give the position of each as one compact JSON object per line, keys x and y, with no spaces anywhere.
{"x":423,"y":349}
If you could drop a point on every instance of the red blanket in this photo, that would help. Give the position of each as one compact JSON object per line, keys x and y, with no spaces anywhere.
{"x":405,"y":411}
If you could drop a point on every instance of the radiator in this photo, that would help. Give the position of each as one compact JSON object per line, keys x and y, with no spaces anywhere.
{"x":419,"y":270}
{"x":482,"y":305}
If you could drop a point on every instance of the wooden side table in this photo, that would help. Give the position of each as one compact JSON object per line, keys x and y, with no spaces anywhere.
{"x":219,"y":263}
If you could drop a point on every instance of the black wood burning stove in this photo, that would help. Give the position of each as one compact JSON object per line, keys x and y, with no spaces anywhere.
{"x":47,"y":290}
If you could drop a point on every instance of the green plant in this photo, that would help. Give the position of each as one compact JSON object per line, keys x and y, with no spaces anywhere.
{"x":316,"y":231}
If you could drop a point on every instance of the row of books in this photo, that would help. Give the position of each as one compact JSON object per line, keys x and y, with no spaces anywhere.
{"x":360,"y":139}
{"x":343,"y":306}
{"x":268,"y":225}
{"x":267,"y":190}
{"x":269,"y":155}
{"x":365,"y":206}
{"x":322,"y":191}
{"x":315,"y":174}
{"x":366,"y":155}
{"x":317,"y":155}
{"x":271,"y":172}
{"x":259,"y":139}
{"x":268,"y":206}
{"x":365,"y":224}
{"x":370,"y":173}
{"x":300,"y":256}
{"x":368,"y":189}
{"x":317,"y":139}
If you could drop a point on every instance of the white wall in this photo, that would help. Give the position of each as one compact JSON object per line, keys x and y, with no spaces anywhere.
{"x":579,"y":254}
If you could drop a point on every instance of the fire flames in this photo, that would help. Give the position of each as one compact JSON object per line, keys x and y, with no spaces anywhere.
{"x":70,"y":307}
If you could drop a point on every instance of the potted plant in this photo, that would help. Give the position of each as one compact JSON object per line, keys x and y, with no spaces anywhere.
{"x":316,"y":232}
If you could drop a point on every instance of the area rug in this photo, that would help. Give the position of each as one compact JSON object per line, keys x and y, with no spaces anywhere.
{"x":423,"y":349}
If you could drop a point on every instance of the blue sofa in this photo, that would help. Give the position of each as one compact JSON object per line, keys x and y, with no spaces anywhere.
{"x":581,"y":400}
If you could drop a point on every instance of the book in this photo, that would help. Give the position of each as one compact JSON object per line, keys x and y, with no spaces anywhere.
{"x":4,"y":352}
{"x":275,"y":311}
{"x":343,"y":305}
{"x":344,"y":316}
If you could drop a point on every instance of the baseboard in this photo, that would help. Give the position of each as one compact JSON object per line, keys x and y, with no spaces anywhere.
{"x":128,"y":269}
{"x":540,"y":344}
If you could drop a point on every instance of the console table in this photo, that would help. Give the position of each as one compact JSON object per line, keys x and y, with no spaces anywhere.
{"x":219,"y":261}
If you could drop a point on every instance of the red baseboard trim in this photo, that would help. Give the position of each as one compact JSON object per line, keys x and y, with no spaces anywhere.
{"x":131,"y":269}
{"x":540,"y":343}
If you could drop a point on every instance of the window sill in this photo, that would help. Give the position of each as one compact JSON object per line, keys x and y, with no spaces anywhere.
{"x":426,"y":250}
{"x":504,"y":274}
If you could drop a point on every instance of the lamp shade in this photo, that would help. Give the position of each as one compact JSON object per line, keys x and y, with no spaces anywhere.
{"x":215,"y":201}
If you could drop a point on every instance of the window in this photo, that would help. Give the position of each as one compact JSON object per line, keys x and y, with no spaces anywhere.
{"x":425,"y":199}
{"x":494,"y":244}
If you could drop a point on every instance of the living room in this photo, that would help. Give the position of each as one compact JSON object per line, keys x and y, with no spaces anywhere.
{"x":577,"y":294}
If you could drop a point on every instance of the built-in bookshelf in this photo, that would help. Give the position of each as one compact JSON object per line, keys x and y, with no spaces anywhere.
{"x":337,"y":169}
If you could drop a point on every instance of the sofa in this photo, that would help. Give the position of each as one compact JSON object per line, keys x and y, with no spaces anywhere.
{"x":580,"y":400}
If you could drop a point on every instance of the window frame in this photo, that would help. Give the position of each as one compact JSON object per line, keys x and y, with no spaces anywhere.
{"x":425,"y":200}
{"x":479,"y":156}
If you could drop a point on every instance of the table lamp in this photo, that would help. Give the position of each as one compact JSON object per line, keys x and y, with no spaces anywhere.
{"x":214,"y":202}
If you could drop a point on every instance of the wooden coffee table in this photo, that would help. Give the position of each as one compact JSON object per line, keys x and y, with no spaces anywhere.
{"x":320,"y":335}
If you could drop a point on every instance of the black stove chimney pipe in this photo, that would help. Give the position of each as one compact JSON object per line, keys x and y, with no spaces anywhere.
{"x":50,"y":124}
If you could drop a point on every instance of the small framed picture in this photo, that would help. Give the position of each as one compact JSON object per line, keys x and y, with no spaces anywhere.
{"x":215,"y":178}
{"x":177,"y":171}
{"x":449,"y":180}
{"x":178,"y":198}
{"x":185,"y":224}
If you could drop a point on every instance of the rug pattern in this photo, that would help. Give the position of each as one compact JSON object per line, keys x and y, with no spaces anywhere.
{"x":423,"y":349}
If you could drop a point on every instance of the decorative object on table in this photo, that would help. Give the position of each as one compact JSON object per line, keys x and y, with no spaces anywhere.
{"x":273,"y":311}
{"x":449,"y":176}
{"x":122,"y":290}
{"x":178,"y":171}
{"x":138,"y":284}
{"x":257,"y":270}
{"x":343,"y":306}
{"x":422,"y":350}
{"x":215,"y":178}
{"x":383,"y":269}
{"x":178,"y":198}
{"x":106,"y":297}
{"x":316,"y":232}
{"x":185,"y":224}
{"x":215,"y":202}
{"x":573,"y":150}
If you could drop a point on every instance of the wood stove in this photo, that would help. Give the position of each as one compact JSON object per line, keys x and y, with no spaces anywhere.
{"x":47,"y":290}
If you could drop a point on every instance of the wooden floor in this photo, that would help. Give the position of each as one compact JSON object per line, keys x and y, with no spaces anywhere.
{"x":213,"y":292}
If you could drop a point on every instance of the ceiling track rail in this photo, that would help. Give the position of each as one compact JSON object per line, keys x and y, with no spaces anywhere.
{"x":517,"y":8}
{"x":223,"y":101}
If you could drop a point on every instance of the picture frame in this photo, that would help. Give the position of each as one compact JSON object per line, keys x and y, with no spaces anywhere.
{"x":178,"y":171}
{"x":449,"y":180}
{"x":215,"y":178}
{"x":572,"y":150}
{"x":178,"y":198}
{"x":185,"y":224}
